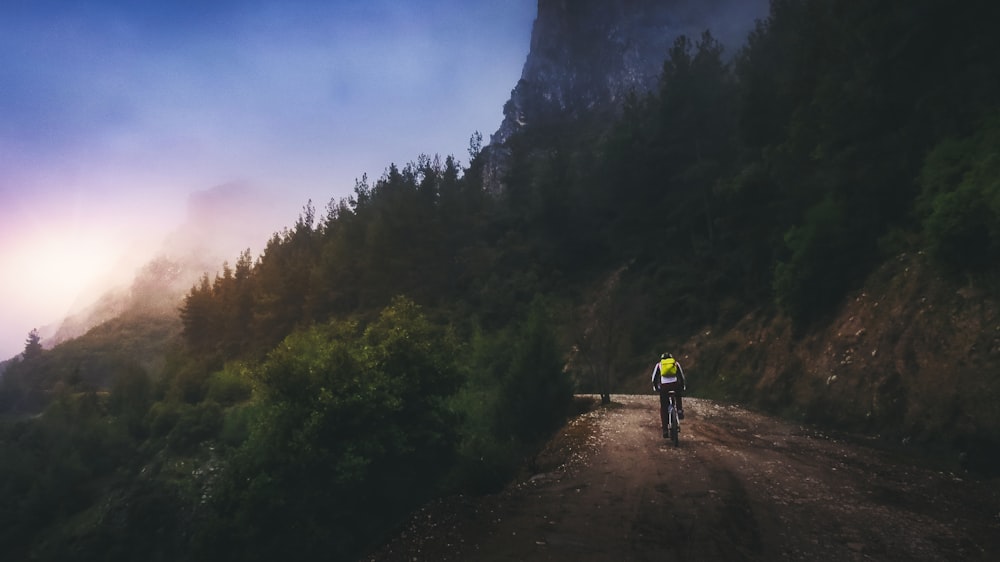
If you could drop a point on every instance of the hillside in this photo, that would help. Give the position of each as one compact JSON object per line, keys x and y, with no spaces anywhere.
{"x":811,"y":223}
{"x":911,"y":357}
{"x":219,"y":223}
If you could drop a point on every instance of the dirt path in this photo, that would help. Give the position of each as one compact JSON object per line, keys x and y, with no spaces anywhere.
{"x":740,"y":487}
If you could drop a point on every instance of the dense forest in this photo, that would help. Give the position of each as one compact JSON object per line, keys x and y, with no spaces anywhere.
{"x":422,"y":336}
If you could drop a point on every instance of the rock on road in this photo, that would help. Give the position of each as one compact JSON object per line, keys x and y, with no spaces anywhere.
{"x":741,"y":486}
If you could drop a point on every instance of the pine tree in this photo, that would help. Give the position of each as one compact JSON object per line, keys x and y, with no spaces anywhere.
{"x":33,"y":345}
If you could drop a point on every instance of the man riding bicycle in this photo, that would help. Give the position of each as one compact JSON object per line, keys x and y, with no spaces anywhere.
{"x":669,"y":376}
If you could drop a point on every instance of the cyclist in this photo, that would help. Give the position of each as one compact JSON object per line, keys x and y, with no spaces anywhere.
{"x":669,"y":376}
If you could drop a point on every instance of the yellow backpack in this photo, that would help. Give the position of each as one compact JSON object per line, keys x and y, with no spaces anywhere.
{"x":668,"y":367}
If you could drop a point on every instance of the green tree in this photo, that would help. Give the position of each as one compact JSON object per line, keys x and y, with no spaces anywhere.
{"x":130,"y":398}
{"x":960,"y":201}
{"x":32,"y":346}
{"x":199,"y":318}
{"x":535,"y":391}
{"x":603,"y":334}
{"x":353,"y":431}
{"x":820,"y":263}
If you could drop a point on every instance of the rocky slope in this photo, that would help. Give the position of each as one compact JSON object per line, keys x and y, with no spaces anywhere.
{"x":912,"y":357}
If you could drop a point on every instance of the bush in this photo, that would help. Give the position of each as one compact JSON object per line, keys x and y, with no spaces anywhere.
{"x":190,"y":384}
{"x":53,"y":467}
{"x":194,"y":424}
{"x":822,"y":263}
{"x":162,"y":418}
{"x":236,"y":424}
{"x":516,"y":393}
{"x":230,"y":385}
{"x":349,"y":432}
{"x":960,"y":201}
{"x":130,"y":398}
{"x":535,"y":392}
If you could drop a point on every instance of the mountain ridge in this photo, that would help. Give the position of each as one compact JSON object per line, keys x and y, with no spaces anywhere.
{"x":586,"y":55}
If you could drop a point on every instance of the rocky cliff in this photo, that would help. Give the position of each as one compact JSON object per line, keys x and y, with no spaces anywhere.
{"x":586,"y":55}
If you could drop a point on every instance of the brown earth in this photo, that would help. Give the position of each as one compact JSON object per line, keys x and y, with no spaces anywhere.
{"x":741,"y":486}
{"x":913,"y":355}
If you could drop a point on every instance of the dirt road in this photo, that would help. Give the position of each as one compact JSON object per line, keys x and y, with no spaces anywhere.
{"x":740,"y":487}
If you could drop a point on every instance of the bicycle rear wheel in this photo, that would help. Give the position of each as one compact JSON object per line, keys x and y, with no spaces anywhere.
{"x":674,"y":428}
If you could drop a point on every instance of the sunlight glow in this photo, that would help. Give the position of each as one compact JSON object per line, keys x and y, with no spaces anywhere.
{"x":48,"y":273}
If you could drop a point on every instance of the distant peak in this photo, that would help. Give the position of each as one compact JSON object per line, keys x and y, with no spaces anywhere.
{"x":587,"y":55}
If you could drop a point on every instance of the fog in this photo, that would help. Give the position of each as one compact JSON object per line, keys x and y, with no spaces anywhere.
{"x":115,"y":113}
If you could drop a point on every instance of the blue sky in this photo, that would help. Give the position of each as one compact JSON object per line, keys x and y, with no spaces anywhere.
{"x":113,"y":112}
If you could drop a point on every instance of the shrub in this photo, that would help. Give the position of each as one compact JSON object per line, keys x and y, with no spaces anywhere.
{"x":821,"y":263}
{"x":349,"y":431}
{"x":131,"y":397}
{"x":515,"y":394}
{"x":162,"y":418}
{"x":230,"y":386}
{"x":194,"y":424}
{"x":960,"y":201}
{"x":236,"y":423}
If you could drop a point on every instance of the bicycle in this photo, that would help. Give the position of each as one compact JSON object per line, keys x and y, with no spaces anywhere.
{"x":674,"y":428}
